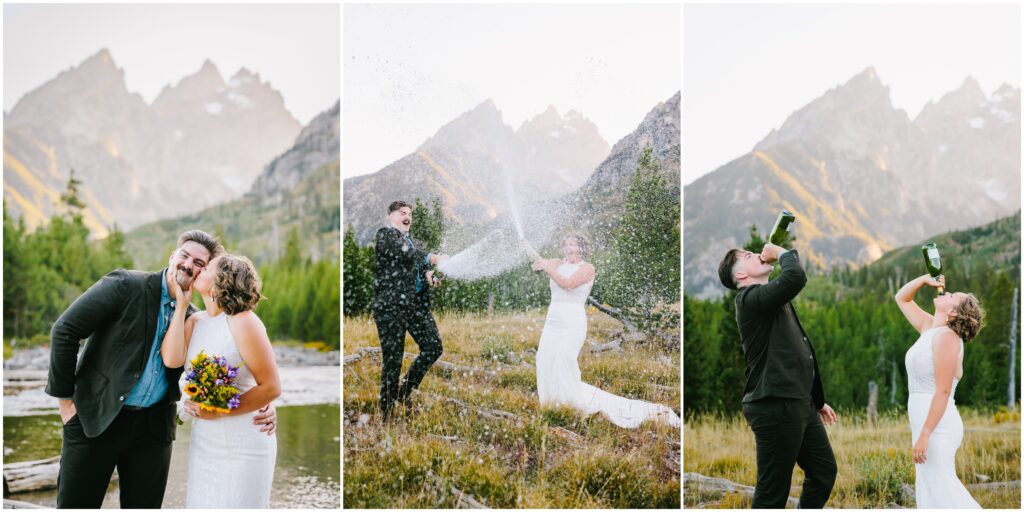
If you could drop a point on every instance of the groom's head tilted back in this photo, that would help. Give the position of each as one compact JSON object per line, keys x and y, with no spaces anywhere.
{"x":194,"y":251}
{"x":740,"y":268}
{"x":400,"y":215}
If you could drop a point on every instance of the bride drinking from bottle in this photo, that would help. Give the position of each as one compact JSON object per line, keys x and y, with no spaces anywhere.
{"x":934,"y":367}
{"x":559,"y":380}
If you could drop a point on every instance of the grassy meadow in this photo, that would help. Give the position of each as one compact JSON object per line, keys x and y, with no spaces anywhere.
{"x":474,"y":434}
{"x":874,"y":462}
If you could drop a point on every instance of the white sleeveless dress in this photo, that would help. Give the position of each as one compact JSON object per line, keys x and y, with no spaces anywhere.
{"x":230,"y":462}
{"x":559,"y":379}
{"x":936,"y":483}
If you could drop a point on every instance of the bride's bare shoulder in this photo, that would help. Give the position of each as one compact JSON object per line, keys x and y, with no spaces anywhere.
{"x":248,"y":322}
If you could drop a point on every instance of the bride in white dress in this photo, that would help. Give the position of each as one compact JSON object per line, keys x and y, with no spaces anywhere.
{"x":230,"y":461}
{"x":934,"y":366}
{"x":559,"y":379}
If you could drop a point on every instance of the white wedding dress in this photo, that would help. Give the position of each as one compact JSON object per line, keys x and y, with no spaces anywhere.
{"x":936,"y":483}
{"x":230,"y":462}
{"x":558,"y":371}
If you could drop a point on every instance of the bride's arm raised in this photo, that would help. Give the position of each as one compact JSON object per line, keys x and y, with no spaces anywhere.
{"x":257,"y":354}
{"x":917,"y":317}
{"x":179,"y":331}
{"x":583,"y":275}
{"x":946,"y":355}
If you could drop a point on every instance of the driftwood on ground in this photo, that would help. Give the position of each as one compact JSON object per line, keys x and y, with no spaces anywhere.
{"x":20,"y":504}
{"x":462,"y":499}
{"x":696,"y":482}
{"x":33,"y":475}
{"x":614,"y":313}
{"x":363,"y":352}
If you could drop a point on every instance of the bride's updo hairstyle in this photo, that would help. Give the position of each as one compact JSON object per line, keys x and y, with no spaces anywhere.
{"x":236,"y":287}
{"x":581,"y":241}
{"x":968,"y":319}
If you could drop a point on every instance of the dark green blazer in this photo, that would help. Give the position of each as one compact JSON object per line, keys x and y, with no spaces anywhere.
{"x":780,"y":359}
{"x":118,"y":316}
{"x":398,"y":264}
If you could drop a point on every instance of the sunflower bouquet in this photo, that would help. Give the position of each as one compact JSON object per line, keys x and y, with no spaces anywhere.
{"x":210,"y":383}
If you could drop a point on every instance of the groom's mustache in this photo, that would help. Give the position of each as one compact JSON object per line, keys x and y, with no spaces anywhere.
{"x":185,"y":270}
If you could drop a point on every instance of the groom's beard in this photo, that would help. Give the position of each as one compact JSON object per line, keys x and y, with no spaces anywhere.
{"x":184,"y":278}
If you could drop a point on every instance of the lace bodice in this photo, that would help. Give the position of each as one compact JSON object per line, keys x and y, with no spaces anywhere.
{"x":920,"y":362}
{"x":577,"y":295}
{"x":212,"y":335}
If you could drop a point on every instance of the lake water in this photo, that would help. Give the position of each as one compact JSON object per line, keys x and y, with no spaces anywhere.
{"x":308,"y":457}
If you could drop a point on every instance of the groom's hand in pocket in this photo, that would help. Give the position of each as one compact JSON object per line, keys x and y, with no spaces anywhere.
{"x":266,"y":418}
{"x":67,"y":410}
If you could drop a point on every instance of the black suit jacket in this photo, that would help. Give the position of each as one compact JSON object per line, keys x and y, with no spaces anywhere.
{"x":398,"y":264}
{"x":780,"y":359}
{"x":118,"y":314}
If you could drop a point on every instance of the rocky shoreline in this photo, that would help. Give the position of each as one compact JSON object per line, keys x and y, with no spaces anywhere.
{"x":38,"y":358}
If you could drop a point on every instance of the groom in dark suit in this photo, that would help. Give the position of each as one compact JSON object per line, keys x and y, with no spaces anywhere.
{"x":783,"y":400}
{"x":117,"y":400}
{"x":401,"y":303}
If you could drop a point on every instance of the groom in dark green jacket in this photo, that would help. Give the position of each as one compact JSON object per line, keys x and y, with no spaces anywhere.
{"x":117,"y":400}
{"x":401,"y":303}
{"x":783,"y":400}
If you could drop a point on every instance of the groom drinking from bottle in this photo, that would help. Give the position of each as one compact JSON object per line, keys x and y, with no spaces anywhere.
{"x":783,"y":400}
{"x":401,"y":303}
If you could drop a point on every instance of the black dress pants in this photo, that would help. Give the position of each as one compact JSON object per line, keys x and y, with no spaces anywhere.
{"x":142,"y":459}
{"x":788,"y":432}
{"x":392,"y":324}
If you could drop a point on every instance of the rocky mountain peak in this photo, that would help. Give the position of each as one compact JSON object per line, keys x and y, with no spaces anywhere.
{"x":482,"y":124}
{"x":847,"y":117}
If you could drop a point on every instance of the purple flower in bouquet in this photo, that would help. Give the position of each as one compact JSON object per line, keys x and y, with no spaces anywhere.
{"x":233,"y":402}
{"x":232,"y":373}
{"x":190,"y":375}
{"x":218,"y":382}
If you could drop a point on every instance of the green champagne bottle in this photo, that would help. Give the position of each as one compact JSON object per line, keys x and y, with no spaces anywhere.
{"x":781,"y":230}
{"x":932,"y":261}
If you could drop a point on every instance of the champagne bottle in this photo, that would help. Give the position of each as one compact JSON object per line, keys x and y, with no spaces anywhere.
{"x":932,"y":261}
{"x":781,"y":230}
{"x":437,"y":277}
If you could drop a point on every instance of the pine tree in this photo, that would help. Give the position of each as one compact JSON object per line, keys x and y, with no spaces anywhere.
{"x":645,"y":269}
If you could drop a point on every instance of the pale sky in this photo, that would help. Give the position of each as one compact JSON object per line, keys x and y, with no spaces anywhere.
{"x":409,"y":69}
{"x":296,"y":47}
{"x":747,"y":67}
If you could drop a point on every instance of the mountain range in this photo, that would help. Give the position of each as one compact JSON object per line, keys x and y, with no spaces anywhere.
{"x":861,"y":176}
{"x":553,"y":163}
{"x":201,"y":142}
{"x":297,"y":190}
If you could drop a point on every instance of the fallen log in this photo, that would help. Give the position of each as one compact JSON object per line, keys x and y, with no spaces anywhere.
{"x":33,"y":475}
{"x":484,"y":411}
{"x":614,"y":313}
{"x":710,"y":484}
{"x":361,"y":353}
{"x":612,"y":345}
{"x":462,"y":499}
{"x":20,"y":504}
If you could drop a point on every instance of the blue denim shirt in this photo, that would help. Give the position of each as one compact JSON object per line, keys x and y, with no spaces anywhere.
{"x":153,"y":385}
